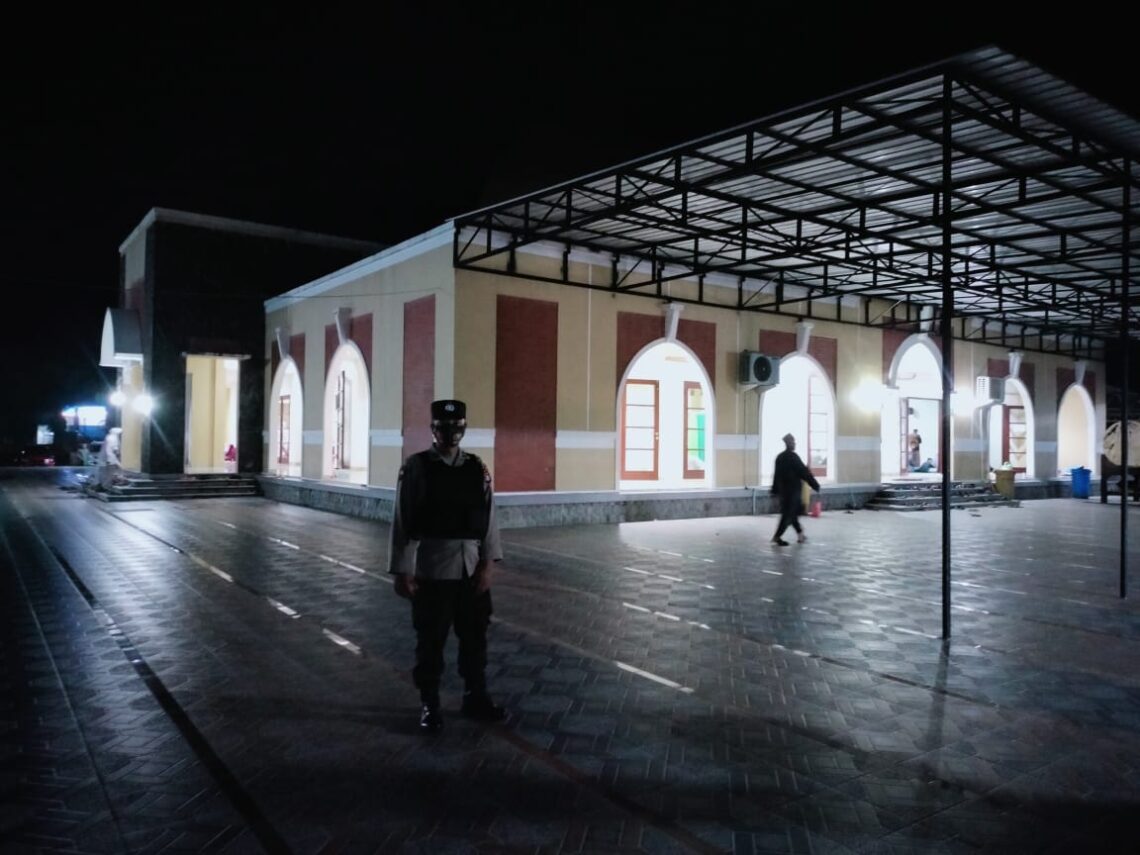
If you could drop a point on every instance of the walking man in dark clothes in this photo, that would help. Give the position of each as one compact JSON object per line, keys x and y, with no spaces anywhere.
{"x":787,"y":484}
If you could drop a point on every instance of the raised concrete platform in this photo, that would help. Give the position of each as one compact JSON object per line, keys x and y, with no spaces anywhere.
{"x":523,"y":510}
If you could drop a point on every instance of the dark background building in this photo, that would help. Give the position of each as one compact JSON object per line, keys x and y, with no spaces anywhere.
{"x":196,"y":285}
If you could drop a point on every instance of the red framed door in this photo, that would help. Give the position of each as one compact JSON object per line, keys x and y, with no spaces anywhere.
{"x":639,"y":430}
{"x":904,"y":433}
{"x":284,"y":414}
{"x":1014,"y":438}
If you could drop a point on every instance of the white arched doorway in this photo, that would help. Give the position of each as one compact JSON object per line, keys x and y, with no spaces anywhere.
{"x":1076,"y":431}
{"x":1012,"y":434}
{"x":913,"y":402}
{"x":346,"y":417}
{"x":286,"y":406}
{"x":665,"y":421}
{"x":802,"y":404}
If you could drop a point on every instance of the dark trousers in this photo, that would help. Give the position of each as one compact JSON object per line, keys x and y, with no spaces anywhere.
{"x":436,"y":607}
{"x":790,"y":516}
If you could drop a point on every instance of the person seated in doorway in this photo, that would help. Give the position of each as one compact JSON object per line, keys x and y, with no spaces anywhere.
{"x":914,"y":453}
{"x":927,"y":466}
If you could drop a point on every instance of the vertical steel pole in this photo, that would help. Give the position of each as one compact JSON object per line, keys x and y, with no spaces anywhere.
{"x":1126,"y":358}
{"x":947,"y":350}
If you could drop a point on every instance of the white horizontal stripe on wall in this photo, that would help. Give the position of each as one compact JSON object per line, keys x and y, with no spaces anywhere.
{"x":386,"y":438}
{"x":604,"y":439}
{"x":312,"y":437}
{"x":1045,"y":445}
{"x":479,"y":438}
{"x":858,"y":443}
{"x":973,"y":444}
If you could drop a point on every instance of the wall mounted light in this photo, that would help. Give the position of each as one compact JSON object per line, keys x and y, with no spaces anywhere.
{"x":143,"y":404}
{"x":963,"y":403}
{"x":868,"y":396}
{"x":117,"y":398}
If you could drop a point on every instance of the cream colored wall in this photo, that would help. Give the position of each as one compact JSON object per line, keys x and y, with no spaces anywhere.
{"x":381,"y":293}
{"x":969,"y":453}
{"x":130,"y":450}
{"x":858,"y":430}
{"x":586,"y":404}
{"x":588,"y":377}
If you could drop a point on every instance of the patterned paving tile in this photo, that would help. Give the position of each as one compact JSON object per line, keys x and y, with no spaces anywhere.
{"x":673,"y":687}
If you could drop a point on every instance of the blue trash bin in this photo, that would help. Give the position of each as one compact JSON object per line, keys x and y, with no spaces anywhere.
{"x":1081,"y":477}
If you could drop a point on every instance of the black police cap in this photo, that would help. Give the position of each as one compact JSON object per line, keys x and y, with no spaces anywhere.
{"x":448,"y":411}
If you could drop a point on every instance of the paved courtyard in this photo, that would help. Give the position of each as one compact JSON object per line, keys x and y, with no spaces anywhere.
{"x":233,"y":676}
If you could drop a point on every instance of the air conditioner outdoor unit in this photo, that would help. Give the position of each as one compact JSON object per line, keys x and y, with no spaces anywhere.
{"x":757,"y":369}
{"x":990,"y":390}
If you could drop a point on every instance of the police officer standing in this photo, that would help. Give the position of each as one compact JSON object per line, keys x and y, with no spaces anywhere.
{"x":444,"y":543}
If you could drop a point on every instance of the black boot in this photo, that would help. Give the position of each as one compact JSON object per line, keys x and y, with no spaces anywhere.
{"x":430,"y":719}
{"x":477,"y":704}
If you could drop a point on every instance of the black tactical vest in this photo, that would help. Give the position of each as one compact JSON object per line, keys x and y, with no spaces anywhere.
{"x":452,"y":504}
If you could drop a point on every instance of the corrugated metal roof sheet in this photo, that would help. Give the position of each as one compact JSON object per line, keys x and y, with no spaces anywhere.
{"x":844,"y":196}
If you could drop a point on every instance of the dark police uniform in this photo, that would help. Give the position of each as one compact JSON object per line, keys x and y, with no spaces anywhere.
{"x":443,"y":531}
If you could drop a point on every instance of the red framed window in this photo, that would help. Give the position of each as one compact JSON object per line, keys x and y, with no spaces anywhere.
{"x":284,"y":412}
{"x":339,"y":452}
{"x":695,"y":463}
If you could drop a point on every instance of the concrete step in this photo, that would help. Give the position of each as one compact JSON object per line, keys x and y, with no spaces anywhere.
{"x":927,"y":496}
{"x":191,"y":487}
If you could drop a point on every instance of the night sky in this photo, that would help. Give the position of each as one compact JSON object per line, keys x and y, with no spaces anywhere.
{"x":384,"y":127}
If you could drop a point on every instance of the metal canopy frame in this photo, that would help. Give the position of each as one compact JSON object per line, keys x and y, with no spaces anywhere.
{"x":843,"y":198}
{"x":980,"y":197}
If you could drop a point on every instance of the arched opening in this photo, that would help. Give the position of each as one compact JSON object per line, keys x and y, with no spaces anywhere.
{"x":802,"y":404}
{"x":286,"y":406}
{"x":1012,"y":434}
{"x":912,"y":412}
{"x":665,"y":418}
{"x":1076,"y":431}
{"x":346,"y":417}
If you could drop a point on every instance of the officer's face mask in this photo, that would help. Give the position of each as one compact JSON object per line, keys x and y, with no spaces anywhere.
{"x":448,"y":433}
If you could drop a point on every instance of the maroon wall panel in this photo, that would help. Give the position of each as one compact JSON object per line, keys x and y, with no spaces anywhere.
{"x":526,"y":381}
{"x":825,"y":351}
{"x":331,"y":344}
{"x":634,"y":331}
{"x":297,"y":351}
{"x":893,"y":338}
{"x":360,"y":334}
{"x":1067,"y":376}
{"x":419,"y":373}
{"x":822,"y":349}
{"x":998,"y":366}
{"x":700,"y":337}
{"x":774,"y":343}
{"x":891,"y":341}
